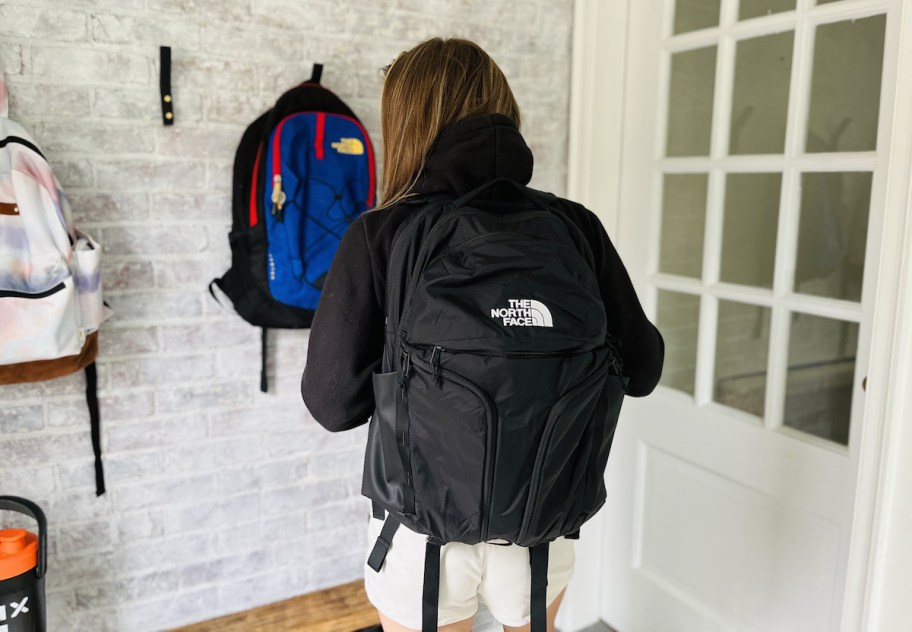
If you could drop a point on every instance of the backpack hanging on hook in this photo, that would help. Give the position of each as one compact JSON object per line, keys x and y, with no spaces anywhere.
{"x":50,"y":281}
{"x":303,"y":172}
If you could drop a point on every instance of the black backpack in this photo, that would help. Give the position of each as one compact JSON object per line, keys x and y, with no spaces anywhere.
{"x":500,"y":388}
{"x":303,"y":172}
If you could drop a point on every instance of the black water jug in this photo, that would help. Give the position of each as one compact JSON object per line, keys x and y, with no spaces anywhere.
{"x":23,"y":562}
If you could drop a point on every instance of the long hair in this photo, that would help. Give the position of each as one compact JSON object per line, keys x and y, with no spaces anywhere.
{"x":436,"y":83}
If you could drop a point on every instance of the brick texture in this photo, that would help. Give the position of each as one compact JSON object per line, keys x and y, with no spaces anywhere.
{"x":220,"y":498}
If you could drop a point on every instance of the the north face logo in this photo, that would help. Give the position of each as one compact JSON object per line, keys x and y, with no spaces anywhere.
{"x":524,"y":312}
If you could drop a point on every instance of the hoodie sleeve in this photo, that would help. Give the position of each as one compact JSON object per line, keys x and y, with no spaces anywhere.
{"x":640,"y":344}
{"x":346,"y":339}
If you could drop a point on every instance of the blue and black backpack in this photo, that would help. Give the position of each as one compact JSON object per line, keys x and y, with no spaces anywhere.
{"x":303,"y":172}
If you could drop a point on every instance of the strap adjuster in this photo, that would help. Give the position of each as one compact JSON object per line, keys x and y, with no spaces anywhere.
{"x":383,"y":544}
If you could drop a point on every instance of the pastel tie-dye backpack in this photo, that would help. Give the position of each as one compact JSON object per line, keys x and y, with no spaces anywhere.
{"x":50,"y":284}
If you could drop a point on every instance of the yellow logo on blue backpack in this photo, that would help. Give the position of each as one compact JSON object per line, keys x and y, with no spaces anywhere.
{"x":349,"y":146}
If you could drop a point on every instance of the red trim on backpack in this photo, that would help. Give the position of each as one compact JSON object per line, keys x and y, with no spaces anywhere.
{"x":318,"y":140}
{"x":253,"y":189}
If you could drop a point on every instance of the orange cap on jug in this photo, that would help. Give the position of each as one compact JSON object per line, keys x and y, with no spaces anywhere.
{"x":18,"y":552}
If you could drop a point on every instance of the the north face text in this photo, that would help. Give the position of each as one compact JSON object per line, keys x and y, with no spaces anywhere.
{"x":524,"y":312}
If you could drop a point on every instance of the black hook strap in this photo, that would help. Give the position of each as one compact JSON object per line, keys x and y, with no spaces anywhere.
{"x":164,"y":82}
{"x":316,"y":74}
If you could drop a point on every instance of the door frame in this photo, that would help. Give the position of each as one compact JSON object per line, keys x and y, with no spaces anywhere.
{"x":880,"y":558}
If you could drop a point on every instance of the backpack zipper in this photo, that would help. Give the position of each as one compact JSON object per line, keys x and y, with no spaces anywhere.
{"x":435,"y":366}
{"x":278,"y":198}
{"x":436,"y":350}
{"x":21,"y":141}
{"x":406,"y":363}
{"x":44,"y":294}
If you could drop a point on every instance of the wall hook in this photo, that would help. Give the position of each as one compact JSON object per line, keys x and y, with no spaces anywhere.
{"x":164,"y":82}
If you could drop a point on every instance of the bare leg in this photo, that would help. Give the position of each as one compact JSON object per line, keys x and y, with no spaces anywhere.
{"x":460,"y":626}
{"x":552,"y":614}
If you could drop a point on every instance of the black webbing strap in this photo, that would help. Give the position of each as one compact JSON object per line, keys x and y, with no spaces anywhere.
{"x":95,"y":419}
{"x":316,"y":74}
{"x":264,"y":382}
{"x":164,"y":84}
{"x":431,"y":593}
{"x":377,"y":510}
{"x":383,"y":544}
{"x":538,"y":559}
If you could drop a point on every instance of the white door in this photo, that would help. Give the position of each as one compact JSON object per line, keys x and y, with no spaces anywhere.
{"x":750,"y":205}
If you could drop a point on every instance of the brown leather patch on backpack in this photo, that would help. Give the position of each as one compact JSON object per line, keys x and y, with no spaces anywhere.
{"x":9,"y":208}
{"x":39,"y":370}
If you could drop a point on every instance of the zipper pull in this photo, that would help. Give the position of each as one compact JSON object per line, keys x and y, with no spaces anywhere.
{"x":435,"y":363}
{"x":278,"y":196}
{"x":406,"y":366}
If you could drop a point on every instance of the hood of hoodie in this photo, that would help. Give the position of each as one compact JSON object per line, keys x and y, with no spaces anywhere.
{"x":473,"y":151}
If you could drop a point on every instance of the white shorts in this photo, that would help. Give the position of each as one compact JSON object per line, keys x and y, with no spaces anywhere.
{"x":499,"y":574}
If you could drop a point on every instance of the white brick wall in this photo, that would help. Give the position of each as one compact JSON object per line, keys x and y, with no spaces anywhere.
{"x":220,"y":498}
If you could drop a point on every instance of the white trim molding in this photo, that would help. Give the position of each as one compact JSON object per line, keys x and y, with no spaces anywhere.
{"x":880,"y":562}
{"x":879,"y":573}
{"x":593,"y":175}
{"x":597,"y":107}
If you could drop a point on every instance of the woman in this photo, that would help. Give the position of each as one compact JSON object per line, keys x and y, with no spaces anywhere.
{"x":450,"y":123}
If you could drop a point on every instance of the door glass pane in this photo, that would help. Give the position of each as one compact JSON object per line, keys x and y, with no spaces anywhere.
{"x":821,"y":374}
{"x":756,"y":8}
{"x":683,"y":220}
{"x":679,"y":319}
{"x":690,"y":102}
{"x":749,"y":228}
{"x":763,"y":66}
{"x":833,"y":234}
{"x":742,"y":347}
{"x":845,"y":85}
{"x":693,"y":15}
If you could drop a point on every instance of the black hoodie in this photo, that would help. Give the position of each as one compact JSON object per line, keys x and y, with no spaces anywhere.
{"x":346,"y":338}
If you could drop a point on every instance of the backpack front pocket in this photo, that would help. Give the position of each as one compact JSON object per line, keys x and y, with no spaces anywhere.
{"x":575,"y":442}
{"x":40,"y":324}
{"x":452,"y":429}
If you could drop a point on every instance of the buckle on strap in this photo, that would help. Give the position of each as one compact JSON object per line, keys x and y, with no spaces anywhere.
{"x":382,"y":545}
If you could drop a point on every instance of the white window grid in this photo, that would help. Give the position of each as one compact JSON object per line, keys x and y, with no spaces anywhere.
{"x":781,"y":299}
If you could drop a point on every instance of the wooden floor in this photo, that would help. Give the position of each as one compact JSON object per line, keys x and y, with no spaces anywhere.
{"x":340,"y":609}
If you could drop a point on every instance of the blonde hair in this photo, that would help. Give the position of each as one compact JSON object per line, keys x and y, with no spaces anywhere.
{"x":427,"y":88}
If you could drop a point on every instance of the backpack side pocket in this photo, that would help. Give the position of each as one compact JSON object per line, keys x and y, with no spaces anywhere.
{"x":87,"y":274}
{"x":386,"y":475}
